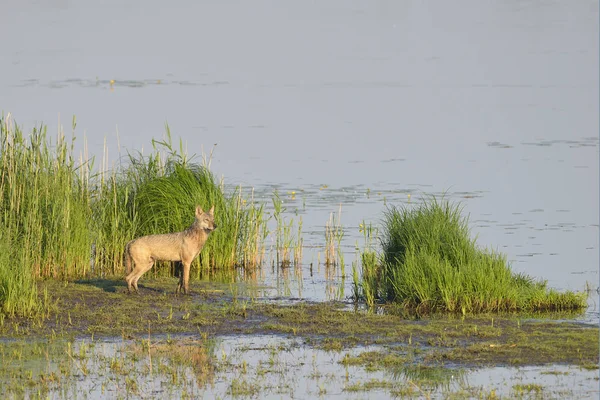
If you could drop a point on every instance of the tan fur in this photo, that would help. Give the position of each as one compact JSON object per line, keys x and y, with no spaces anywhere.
{"x":179,"y":246}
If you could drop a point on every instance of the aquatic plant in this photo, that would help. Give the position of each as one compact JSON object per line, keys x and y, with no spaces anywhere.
{"x":365,"y":285}
{"x":429,"y":263}
{"x":286,"y":243}
{"x":254,"y":234}
{"x":334,"y":234}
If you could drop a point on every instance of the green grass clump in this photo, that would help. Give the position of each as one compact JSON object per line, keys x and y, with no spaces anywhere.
{"x":430,"y":263}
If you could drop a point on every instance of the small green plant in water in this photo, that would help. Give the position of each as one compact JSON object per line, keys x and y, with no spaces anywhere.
{"x":366,"y":288}
{"x":286,"y":242}
{"x":334,"y":234}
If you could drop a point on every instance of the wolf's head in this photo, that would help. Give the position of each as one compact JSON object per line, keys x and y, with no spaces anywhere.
{"x":206,"y":220}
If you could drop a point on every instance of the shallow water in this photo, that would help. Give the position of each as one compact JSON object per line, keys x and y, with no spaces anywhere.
{"x":351,"y":103}
{"x":266,"y":367}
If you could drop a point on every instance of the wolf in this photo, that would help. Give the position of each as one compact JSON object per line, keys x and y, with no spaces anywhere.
{"x":179,"y":246}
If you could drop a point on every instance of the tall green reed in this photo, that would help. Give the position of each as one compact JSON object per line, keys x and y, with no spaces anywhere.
{"x":44,"y":214}
{"x":45,"y":204}
{"x":286,"y":243}
{"x":253,"y":237}
{"x":63,"y":219}
{"x":366,"y":283}
{"x":334,"y":233}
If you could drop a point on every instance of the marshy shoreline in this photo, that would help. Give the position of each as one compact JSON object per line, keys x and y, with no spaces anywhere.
{"x":95,"y":324}
{"x":421,"y":303}
{"x":102,"y":308}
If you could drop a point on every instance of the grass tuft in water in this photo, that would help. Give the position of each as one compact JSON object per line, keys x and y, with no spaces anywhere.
{"x":334,"y":234}
{"x":366,"y":284}
{"x":286,"y":244}
{"x":430,"y":263}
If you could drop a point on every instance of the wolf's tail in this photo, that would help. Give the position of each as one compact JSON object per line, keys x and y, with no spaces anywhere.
{"x":127,"y":259}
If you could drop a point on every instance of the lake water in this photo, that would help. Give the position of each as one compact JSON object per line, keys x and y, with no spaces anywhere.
{"x":344,"y":102}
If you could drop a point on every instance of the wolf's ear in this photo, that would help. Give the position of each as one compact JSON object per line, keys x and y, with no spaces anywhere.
{"x":212,"y":210}
{"x":199,"y":211}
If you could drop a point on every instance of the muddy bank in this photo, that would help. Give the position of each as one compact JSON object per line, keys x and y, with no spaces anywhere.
{"x":102,"y":308}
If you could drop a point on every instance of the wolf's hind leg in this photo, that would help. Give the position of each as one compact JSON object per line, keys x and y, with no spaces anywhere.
{"x":129,"y":280}
{"x":140,"y":270}
{"x":179,"y":274}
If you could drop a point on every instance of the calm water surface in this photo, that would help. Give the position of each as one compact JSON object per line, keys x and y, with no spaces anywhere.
{"x":494,"y":103}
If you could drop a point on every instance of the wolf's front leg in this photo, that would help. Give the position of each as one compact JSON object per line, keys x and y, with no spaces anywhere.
{"x":184,"y":281}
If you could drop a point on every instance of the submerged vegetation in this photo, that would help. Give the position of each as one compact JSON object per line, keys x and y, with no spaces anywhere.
{"x":429,"y":263}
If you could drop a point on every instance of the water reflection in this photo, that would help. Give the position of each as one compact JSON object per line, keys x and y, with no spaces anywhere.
{"x":258,"y":366}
